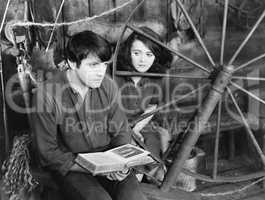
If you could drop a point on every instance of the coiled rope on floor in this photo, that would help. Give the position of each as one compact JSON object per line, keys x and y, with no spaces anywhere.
{"x":17,"y":177}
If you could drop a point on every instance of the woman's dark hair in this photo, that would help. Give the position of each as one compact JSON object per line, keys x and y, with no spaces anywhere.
{"x":84,"y":43}
{"x":163,"y":57}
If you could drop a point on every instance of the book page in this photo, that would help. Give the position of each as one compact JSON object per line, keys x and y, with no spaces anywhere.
{"x":140,"y":161}
{"x":99,"y":158}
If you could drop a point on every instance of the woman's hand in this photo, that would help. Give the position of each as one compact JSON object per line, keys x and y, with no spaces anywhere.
{"x":138,"y":135}
{"x":141,"y":124}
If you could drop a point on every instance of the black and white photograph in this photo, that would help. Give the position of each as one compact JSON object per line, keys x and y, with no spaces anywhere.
{"x":132,"y":100}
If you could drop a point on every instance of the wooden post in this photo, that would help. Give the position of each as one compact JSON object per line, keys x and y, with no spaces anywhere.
{"x":262,"y":116}
{"x":4,"y":112}
{"x":90,"y":8}
{"x":197,"y":125}
{"x":231,"y":142}
{"x":114,"y":4}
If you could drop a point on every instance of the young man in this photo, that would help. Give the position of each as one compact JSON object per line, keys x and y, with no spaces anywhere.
{"x":77,"y":111}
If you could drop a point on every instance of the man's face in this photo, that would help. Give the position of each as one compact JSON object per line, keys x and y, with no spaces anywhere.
{"x":91,"y":71}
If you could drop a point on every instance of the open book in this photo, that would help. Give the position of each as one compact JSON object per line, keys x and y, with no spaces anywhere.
{"x":117,"y":159}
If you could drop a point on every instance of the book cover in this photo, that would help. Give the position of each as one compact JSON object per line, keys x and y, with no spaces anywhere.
{"x":116,"y":159}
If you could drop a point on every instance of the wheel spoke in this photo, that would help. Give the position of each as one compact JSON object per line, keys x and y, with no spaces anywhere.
{"x":248,"y":93}
{"x":4,"y":16}
{"x":54,"y":27}
{"x":224,"y":31}
{"x":167,"y":105}
{"x":236,"y":8}
{"x":247,"y":127}
{"x":248,"y":78}
{"x":128,"y":73}
{"x":217,"y":139}
{"x":250,"y":62}
{"x":195,"y":31}
{"x":168,"y":48}
{"x":247,"y":38}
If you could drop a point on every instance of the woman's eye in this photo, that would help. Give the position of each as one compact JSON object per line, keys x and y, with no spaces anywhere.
{"x":150,"y":54}
{"x":136,"y":53}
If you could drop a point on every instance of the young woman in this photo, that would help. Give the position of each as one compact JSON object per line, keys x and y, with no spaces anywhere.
{"x":142,"y":94}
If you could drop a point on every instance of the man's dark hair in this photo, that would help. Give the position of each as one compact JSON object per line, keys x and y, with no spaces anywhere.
{"x":162,"y":56}
{"x":84,"y":43}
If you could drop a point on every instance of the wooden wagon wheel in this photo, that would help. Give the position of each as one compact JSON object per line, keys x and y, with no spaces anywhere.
{"x":221,"y":76}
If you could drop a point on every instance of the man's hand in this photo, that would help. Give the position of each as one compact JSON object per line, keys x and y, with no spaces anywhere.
{"x":117,"y":176}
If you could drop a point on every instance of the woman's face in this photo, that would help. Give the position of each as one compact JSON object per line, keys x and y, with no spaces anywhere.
{"x":142,"y":57}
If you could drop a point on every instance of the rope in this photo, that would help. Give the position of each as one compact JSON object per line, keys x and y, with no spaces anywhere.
{"x":54,"y":27}
{"x":4,"y":16}
{"x":87,"y":19}
{"x":17,"y":177}
{"x":233,"y":191}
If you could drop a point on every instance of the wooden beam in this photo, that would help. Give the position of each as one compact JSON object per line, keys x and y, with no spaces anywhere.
{"x":90,"y":7}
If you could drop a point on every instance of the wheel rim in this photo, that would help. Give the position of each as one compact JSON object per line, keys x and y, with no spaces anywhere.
{"x":173,"y":172}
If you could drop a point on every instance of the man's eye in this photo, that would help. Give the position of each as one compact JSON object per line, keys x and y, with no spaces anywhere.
{"x":106,"y":63}
{"x":94,"y":64}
